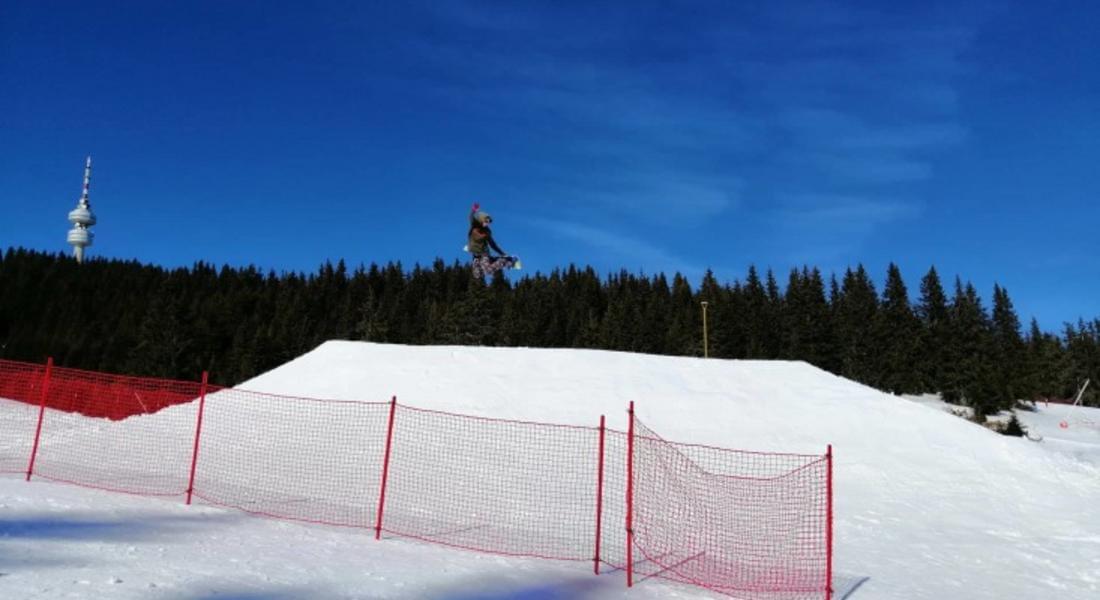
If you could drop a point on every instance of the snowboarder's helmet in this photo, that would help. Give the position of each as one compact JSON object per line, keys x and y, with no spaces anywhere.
{"x":483,"y":217}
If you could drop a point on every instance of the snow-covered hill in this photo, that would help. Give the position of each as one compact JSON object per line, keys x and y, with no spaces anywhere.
{"x":927,"y":504}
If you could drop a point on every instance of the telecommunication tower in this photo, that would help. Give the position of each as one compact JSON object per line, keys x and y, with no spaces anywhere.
{"x":82,"y":218}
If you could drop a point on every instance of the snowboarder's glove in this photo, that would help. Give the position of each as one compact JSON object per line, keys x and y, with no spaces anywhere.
{"x":475,"y":207}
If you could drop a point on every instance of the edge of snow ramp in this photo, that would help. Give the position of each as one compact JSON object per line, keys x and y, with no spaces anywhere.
{"x":752,"y":525}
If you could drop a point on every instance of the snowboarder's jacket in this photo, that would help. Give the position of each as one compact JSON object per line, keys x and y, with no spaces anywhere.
{"x":481,"y":237}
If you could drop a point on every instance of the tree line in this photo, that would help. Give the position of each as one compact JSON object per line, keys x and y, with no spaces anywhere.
{"x":133,"y":318}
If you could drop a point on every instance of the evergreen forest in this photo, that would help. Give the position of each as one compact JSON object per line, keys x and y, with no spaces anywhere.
{"x":132,"y":318}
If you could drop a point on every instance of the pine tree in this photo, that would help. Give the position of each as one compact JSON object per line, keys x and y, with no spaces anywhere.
{"x":238,"y":322}
{"x":1083,"y":356}
{"x":731,"y":323}
{"x":856,"y":311}
{"x":372,"y":325}
{"x":655,"y":315}
{"x":834,"y":359}
{"x":757,"y":314}
{"x":711,"y":293}
{"x":469,"y":321}
{"x":935,"y":358}
{"x":971,"y":378}
{"x":1008,"y":350}
{"x":1047,"y":370}
{"x":773,"y":323}
{"x":806,"y":327}
{"x":165,"y":336}
{"x":618,"y":317}
{"x":897,"y":335}
{"x":1014,"y":427}
{"x":685,"y":329}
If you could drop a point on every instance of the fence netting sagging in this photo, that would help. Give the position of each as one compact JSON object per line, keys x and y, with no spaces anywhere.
{"x":140,"y":443}
{"x":748,"y":524}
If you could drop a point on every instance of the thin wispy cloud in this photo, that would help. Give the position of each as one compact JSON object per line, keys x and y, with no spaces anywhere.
{"x":869,"y":169}
{"x":666,"y":196}
{"x":848,"y":108}
{"x":631,"y":252}
{"x":730,"y":133}
{"x":843,"y":213}
{"x":834,"y":129}
{"x":861,"y":105}
{"x":827,"y":225}
{"x":626,"y":141}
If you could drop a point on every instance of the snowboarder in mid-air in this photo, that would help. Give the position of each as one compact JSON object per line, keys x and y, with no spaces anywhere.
{"x":479,"y":243}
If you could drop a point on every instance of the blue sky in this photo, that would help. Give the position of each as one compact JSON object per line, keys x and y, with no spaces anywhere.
{"x":650,"y":136}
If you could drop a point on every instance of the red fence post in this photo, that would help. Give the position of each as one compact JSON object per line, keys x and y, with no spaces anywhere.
{"x":385,"y":472}
{"x":599,"y":499}
{"x":198,"y":432}
{"x":630,"y":500}
{"x":829,"y":525}
{"x":41,"y":415}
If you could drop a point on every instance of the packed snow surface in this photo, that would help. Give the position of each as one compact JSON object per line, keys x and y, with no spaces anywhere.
{"x":927,"y":504}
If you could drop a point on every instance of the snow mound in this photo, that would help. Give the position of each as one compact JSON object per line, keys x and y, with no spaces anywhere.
{"x":921,"y":495}
{"x":928,"y":505}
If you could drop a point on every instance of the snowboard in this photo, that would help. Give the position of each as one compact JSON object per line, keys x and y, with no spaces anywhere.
{"x":516,"y":263}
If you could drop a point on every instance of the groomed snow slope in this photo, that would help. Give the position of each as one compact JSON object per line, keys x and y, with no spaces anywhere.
{"x":927,"y":504}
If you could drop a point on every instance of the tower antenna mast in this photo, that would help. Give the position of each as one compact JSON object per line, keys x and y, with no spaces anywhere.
{"x":80,"y":237}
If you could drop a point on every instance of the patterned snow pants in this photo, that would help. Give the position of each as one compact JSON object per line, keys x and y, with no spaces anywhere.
{"x":487,"y":265}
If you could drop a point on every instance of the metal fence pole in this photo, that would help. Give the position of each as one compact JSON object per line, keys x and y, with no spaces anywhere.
{"x":198,"y":432}
{"x":41,"y":415}
{"x":385,"y":472}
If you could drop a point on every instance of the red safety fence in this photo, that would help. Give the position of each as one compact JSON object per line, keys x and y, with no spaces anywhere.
{"x":22,"y":382}
{"x":508,"y":487}
{"x":115,"y":397}
{"x":293,"y":458}
{"x":749,"y":525}
{"x":129,"y":449}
